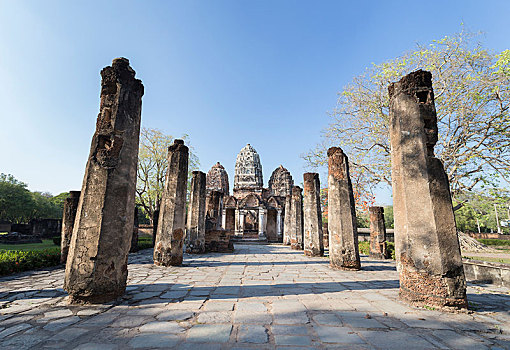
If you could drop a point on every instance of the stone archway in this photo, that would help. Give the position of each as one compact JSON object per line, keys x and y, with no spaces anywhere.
{"x":251,"y":221}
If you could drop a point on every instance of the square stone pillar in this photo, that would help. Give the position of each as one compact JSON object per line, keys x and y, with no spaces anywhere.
{"x":96,"y":269}
{"x":313,"y":238}
{"x":377,"y":234}
{"x":428,"y":254}
{"x":69,"y":214}
{"x":170,"y":235}
{"x":196,"y":215}
{"x":262,"y":223}
{"x":287,"y":220}
{"x":296,"y":233}
{"x":279,"y":224}
{"x":342,"y":229}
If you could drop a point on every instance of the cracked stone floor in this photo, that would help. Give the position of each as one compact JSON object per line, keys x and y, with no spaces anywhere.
{"x":260,"y":297}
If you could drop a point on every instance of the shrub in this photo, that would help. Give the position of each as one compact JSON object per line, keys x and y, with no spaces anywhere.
{"x":364,"y":248}
{"x":57,"y":240}
{"x":12,"y":261}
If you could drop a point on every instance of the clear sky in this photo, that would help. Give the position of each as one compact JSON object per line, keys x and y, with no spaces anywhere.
{"x":227,"y":73}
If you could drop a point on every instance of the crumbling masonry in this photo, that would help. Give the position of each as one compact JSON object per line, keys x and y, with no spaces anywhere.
{"x":296,"y":219}
{"x":96,"y":269}
{"x":428,"y":255}
{"x":69,"y":214}
{"x":196,"y":215}
{"x":342,"y":229}
{"x":313,"y":239}
{"x":378,"y":249}
{"x":170,"y":235}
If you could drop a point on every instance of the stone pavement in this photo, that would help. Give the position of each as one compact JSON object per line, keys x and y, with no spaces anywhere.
{"x":260,"y":297}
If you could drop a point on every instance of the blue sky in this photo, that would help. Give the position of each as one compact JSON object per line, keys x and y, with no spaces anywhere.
{"x":225,"y":72}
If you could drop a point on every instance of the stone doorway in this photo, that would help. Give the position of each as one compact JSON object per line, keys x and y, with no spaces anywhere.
{"x":272,"y":232}
{"x":251,"y":221}
{"x":230,"y":219}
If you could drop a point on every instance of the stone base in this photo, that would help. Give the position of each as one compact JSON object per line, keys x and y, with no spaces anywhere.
{"x":351,"y":266}
{"x":313,"y":253}
{"x":164,"y":257}
{"x":94,"y":299}
{"x":195,"y":248}
{"x":379,"y":256}
{"x":421,"y":300}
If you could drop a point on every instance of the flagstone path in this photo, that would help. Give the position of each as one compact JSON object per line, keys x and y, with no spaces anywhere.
{"x":260,"y":297}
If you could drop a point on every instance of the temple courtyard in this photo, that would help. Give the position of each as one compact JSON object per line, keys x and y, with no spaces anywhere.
{"x":259,"y":297}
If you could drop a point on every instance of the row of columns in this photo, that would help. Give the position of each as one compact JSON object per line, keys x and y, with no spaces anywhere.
{"x":427,"y":247}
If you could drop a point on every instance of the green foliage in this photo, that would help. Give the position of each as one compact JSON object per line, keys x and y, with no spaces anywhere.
{"x":144,"y":242}
{"x":495,"y":242}
{"x":364,"y":248}
{"x":362,"y":220}
{"x":152,"y":166}
{"x":19,"y":205}
{"x":478,"y":208}
{"x":472,"y":98}
{"x":389,"y":221}
{"x":12,"y":261}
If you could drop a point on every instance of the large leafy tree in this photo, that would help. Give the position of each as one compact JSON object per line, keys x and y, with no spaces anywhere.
{"x":152,"y":166}
{"x":472,"y":96}
{"x":19,"y":205}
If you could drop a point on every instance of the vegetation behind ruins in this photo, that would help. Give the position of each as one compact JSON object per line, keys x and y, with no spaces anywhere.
{"x":152,"y":165}
{"x":472,"y":99}
{"x":19,"y":205}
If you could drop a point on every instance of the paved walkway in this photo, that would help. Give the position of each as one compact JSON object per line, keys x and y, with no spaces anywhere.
{"x":260,"y":297}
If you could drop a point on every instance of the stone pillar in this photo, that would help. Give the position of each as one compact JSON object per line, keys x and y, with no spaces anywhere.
{"x":96,"y":269}
{"x":279,"y":224}
{"x":134,"y":237}
{"x":296,"y":233}
{"x":287,"y":220}
{"x":241,"y":223}
{"x":313,"y":239}
{"x":69,"y":214}
{"x":155,"y":221}
{"x":170,"y":235}
{"x":377,"y":234}
{"x":196,"y":215}
{"x":342,"y":229}
{"x":262,"y":223}
{"x":428,"y":254}
{"x":224,"y":218}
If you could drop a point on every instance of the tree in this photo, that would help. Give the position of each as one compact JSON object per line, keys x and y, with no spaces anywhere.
{"x":472,"y":96}
{"x":152,"y":166}
{"x":16,"y":203}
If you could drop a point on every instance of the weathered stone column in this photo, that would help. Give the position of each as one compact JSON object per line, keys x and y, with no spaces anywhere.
{"x":279,"y":223}
{"x":428,"y":254}
{"x":313,"y":238}
{"x":96,"y":269}
{"x":262,"y":223}
{"x":296,"y":234}
{"x":342,"y":229}
{"x":170,"y":235}
{"x":196,"y":215}
{"x":134,"y":237}
{"x":287,"y":220}
{"x":69,"y":214}
{"x":224,"y":218}
{"x":155,"y":220}
{"x":377,"y":234}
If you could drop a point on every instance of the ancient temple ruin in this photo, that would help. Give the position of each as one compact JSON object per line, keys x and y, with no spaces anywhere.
{"x":252,"y":212}
{"x":428,"y":254}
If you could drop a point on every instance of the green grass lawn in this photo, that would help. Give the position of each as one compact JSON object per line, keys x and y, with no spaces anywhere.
{"x":494,"y":260}
{"x":47,"y":243}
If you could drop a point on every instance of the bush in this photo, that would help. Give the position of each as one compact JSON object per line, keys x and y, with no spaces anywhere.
{"x":144,"y":242}
{"x":364,"y":248}
{"x":12,"y":261}
{"x":495,"y":241}
{"x":57,"y":240}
